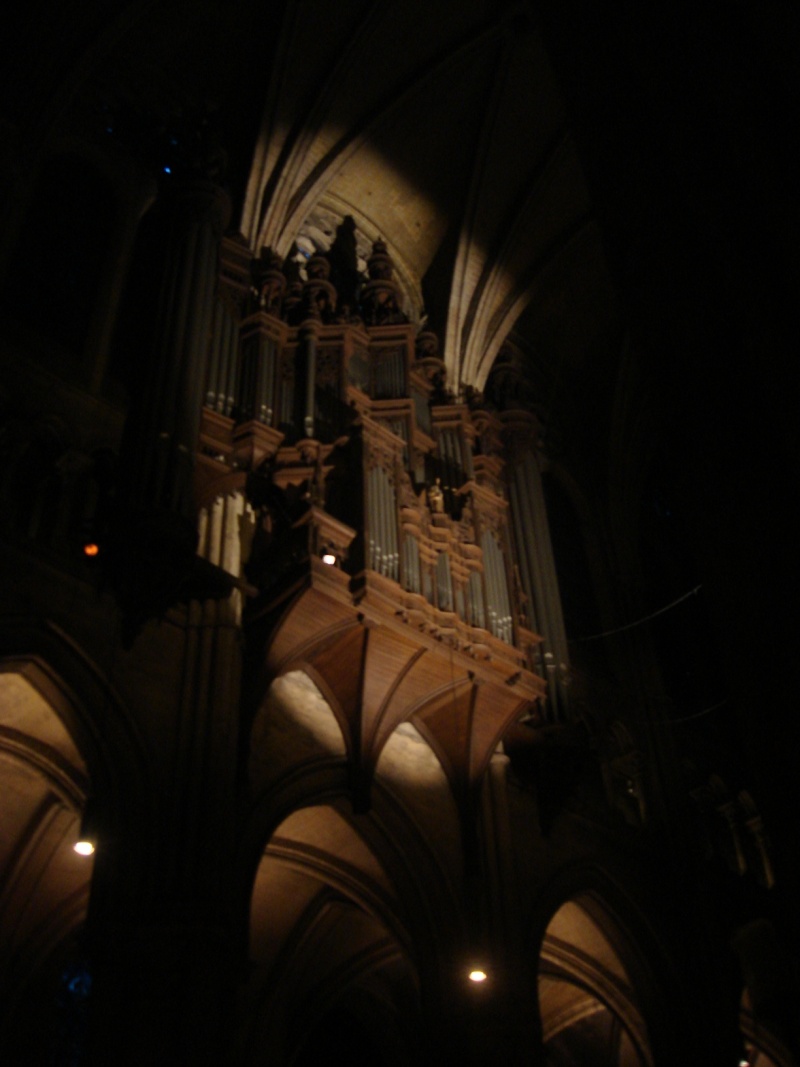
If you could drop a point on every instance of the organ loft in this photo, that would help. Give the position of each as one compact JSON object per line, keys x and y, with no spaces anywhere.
{"x":371,"y":510}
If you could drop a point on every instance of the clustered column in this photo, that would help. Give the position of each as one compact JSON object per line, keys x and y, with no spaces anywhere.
{"x":535,"y":555}
{"x":163,"y":436}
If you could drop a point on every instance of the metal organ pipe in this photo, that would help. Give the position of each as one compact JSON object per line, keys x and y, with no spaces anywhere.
{"x":287,"y":396}
{"x":496,"y":595}
{"x":381,"y":521}
{"x":231,"y":365}
{"x":202,"y":533}
{"x":555,"y":619}
{"x":491,"y":585}
{"x":381,"y":495}
{"x":488,"y":579}
{"x":385,"y":561}
{"x":538,"y":573}
{"x":262,"y":407}
{"x":213,"y":358}
{"x":509,"y":615}
{"x":221,"y":342}
{"x":392,"y":520}
{"x":260,"y":384}
{"x":384,"y":531}
{"x":391,"y":527}
{"x":499,"y":588}
{"x":372,"y":519}
{"x":395,"y":533}
{"x":190,"y":382}
{"x":311,"y":373}
{"x":231,"y":547}
{"x":499,"y":573}
{"x":215,"y":529}
{"x":522,"y":535}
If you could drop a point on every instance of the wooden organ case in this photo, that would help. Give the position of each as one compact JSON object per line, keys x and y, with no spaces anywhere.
{"x":370,"y":512}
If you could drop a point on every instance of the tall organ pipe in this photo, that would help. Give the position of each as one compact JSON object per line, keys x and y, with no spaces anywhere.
{"x":162,"y":429}
{"x":230,"y":365}
{"x":212,"y":391}
{"x":393,"y":530}
{"x":372,"y":518}
{"x":310,"y":334}
{"x":384,"y":530}
{"x":261,"y":407}
{"x":387,"y":525}
{"x":522,"y":526}
{"x":381,"y":534}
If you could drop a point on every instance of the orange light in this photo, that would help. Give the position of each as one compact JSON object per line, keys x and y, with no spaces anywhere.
{"x":91,"y":549}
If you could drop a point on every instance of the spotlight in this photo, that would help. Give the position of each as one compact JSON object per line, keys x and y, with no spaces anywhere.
{"x":477,"y":975}
{"x":328,"y":557}
{"x":87,"y":835}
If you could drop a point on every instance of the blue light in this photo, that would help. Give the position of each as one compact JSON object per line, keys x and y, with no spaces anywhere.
{"x":168,"y":170}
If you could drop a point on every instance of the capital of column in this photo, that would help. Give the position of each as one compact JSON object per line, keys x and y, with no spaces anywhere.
{"x":521,"y":432}
{"x":200,"y":200}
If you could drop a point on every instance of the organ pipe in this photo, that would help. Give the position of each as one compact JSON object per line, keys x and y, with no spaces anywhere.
{"x":311,"y":373}
{"x":212,"y":392}
{"x":230,"y":365}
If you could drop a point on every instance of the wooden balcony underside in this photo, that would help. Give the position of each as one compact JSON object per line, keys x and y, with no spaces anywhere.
{"x":377,"y":670}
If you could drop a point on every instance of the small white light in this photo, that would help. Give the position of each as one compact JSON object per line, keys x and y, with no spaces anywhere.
{"x":84,"y":848}
{"x":329,"y":558}
{"x":477,"y":976}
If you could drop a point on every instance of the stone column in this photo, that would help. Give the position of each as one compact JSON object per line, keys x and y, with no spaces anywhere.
{"x":167,"y":963}
{"x":161,"y":994}
{"x":152,"y":563}
{"x":535,"y":550}
{"x":162,"y":434}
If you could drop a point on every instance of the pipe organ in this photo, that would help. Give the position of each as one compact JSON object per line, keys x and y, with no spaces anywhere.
{"x":334,"y":424}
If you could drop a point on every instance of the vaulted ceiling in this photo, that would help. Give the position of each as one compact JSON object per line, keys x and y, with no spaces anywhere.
{"x":439,"y":127}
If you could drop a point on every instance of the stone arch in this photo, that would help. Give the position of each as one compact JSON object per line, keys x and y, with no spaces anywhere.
{"x":59,"y":767}
{"x":586,"y":998}
{"x":328,"y":941}
{"x":298,"y":757}
{"x":376,"y":869}
{"x":117,"y":773}
{"x":767,"y":1009}
{"x":604,"y":978}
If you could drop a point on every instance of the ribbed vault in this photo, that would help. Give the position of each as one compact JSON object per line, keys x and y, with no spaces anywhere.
{"x":326,"y":943}
{"x":44,"y":884}
{"x":589,"y":1010}
{"x":479,"y":223}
